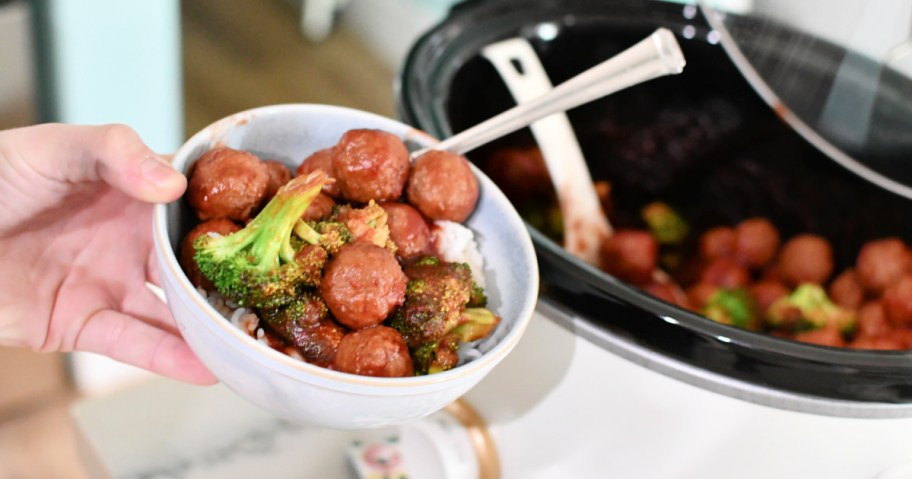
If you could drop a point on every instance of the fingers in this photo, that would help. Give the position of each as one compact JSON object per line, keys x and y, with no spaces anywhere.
{"x":126,"y":339}
{"x":114,"y":154}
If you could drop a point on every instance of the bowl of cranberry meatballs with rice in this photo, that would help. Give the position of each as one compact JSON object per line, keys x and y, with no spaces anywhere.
{"x":743,"y":259}
{"x":322,"y":274}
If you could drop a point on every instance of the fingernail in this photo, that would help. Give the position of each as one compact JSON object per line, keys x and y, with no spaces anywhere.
{"x":157,"y":171}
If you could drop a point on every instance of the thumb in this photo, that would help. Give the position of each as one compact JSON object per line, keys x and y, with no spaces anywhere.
{"x":114,"y":154}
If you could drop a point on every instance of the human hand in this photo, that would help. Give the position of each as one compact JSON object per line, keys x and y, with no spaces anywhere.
{"x":76,"y":247}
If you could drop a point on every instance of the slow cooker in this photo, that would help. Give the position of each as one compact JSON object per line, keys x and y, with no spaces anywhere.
{"x":723,"y":154}
{"x":610,"y":382}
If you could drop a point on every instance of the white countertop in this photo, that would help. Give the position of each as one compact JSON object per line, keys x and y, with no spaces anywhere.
{"x":558,"y":406}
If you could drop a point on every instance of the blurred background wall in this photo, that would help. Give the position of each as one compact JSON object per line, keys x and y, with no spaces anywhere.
{"x":168,"y":68}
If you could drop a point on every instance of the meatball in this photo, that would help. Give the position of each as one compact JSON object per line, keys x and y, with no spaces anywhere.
{"x":885,"y":342}
{"x":668,"y":292}
{"x":227,"y":183}
{"x":375,"y":351}
{"x":767,"y":292}
{"x":630,"y":255}
{"x":881,"y":263}
{"x":321,"y":207}
{"x":370,"y":165}
{"x":442,"y":186}
{"x":718,"y":242}
{"x":725,"y":273}
{"x":805,"y":258}
{"x":826,"y":336}
{"x":521,"y":173}
{"x":362,"y":284}
{"x":321,"y":160}
{"x":279,"y":174}
{"x":408,"y":229}
{"x":699,"y":294}
{"x":221,"y":226}
{"x":897,"y":302}
{"x":846,"y":290}
{"x":872,"y":321}
{"x":756,"y":242}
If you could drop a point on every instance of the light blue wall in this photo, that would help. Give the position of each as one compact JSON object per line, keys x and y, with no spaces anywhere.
{"x":112,"y":61}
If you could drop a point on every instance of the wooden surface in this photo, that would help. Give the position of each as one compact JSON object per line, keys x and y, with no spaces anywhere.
{"x":237,"y":55}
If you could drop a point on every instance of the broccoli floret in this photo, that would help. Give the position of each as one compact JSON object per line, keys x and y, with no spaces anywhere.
{"x":809,"y":307}
{"x":732,"y":306}
{"x":331,"y":235}
{"x":665,"y":223}
{"x":442,"y":310}
{"x":256,"y":267}
{"x":436,"y":356}
{"x":435,"y":297}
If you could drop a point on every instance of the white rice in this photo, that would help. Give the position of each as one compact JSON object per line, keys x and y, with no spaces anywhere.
{"x":456,"y":244}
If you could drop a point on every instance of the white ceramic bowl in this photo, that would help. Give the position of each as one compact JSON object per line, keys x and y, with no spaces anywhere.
{"x":302,"y":392}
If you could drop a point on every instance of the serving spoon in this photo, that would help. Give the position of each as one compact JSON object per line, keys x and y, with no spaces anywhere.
{"x":655,"y":56}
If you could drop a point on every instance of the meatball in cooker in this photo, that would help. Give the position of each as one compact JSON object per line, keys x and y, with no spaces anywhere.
{"x":897,"y":302}
{"x":805,"y":258}
{"x":846,"y":290}
{"x":631,"y":255}
{"x":227,"y":183}
{"x":881,"y":263}
{"x":756,"y":242}
{"x":362,"y":284}
{"x":370,"y":165}
{"x":717,"y":242}
{"x":442,"y":186}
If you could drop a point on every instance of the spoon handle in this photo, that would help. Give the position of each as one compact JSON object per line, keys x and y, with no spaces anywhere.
{"x":655,"y":56}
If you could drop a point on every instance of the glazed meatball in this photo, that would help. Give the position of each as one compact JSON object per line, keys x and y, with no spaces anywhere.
{"x":521,"y":173}
{"x":630,"y":255}
{"x":872,"y":321}
{"x":885,"y":342}
{"x":767,"y":292}
{"x":227,"y":183}
{"x":725,"y":273}
{"x":279,"y":174}
{"x":897,"y":302}
{"x":668,"y":292}
{"x":718,"y":242}
{"x":370,"y":165}
{"x":321,"y":160}
{"x":826,"y":336}
{"x":221,"y":226}
{"x":320,"y":208}
{"x":846,"y":290}
{"x":805,"y":258}
{"x":362,"y":284}
{"x":375,"y":351}
{"x":881,"y":263}
{"x":408,"y":229}
{"x":756,"y":242}
{"x":442,"y":186}
{"x":699,"y":294}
